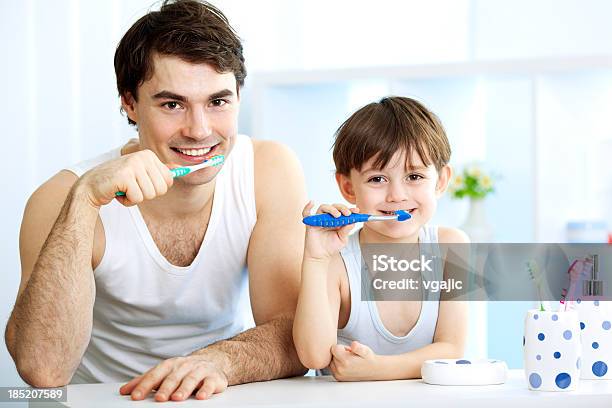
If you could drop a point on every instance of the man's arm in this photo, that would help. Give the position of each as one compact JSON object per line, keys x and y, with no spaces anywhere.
{"x":274,"y":261}
{"x":50,"y":325}
{"x":274,"y":258}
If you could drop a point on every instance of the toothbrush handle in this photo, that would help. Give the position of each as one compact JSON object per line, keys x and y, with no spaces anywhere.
{"x":329,"y":221}
{"x":176,"y":172}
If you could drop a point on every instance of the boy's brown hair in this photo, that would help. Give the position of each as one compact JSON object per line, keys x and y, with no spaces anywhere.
{"x":194,"y":31}
{"x":383,"y":128}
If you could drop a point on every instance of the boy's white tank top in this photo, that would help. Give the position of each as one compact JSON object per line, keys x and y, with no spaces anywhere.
{"x":365,"y":325}
{"x":147,"y":309}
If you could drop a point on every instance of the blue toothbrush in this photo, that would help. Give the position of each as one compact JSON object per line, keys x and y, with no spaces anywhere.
{"x":183,"y":171}
{"x":329,"y":221}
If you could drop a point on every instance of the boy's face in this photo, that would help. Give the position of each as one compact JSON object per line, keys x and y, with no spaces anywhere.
{"x":186,"y":113}
{"x":405,"y":184}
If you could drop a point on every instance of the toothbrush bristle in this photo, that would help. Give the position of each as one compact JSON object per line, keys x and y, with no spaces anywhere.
{"x":403,"y":215}
{"x":536,"y":276}
{"x":218,"y":160}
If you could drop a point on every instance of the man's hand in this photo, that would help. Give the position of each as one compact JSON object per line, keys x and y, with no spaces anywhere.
{"x":355,"y":363}
{"x":140,"y":175}
{"x":176,"y":378}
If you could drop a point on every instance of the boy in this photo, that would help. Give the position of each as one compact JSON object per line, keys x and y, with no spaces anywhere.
{"x":390,"y":155}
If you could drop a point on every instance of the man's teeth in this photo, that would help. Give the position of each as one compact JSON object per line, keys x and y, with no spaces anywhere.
{"x":194,"y":152}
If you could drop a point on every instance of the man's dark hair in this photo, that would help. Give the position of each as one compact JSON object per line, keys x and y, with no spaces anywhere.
{"x":197,"y":32}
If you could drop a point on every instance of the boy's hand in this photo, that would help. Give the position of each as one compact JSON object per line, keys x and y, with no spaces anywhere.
{"x":323,"y":243}
{"x":355,"y":363}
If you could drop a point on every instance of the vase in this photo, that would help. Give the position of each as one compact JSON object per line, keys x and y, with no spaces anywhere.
{"x":476,"y":225}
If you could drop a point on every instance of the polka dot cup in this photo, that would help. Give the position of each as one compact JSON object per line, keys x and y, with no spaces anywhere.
{"x":552,"y":350}
{"x":595,"y":319}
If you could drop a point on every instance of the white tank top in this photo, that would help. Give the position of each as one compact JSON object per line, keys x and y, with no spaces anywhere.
{"x":365,"y":325}
{"x":146,"y":309}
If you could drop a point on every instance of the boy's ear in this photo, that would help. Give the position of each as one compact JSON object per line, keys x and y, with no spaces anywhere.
{"x":444,"y":177}
{"x":128,"y":105}
{"x":346,"y":188}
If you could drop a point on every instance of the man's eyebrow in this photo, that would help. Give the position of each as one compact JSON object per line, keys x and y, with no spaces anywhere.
{"x":169,"y":95}
{"x":220,"y":94}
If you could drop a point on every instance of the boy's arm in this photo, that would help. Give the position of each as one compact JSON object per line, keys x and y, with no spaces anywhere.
{"x":449,"y":342}
{"x":316,"y":321}
{"x":360,"y":363}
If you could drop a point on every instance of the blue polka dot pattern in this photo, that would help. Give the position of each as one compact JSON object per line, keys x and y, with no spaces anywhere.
{"x":463,"y":362}
{"x":538,"y":357}
{"x":555,"y":317}
{"x":599,"y":368}
{"x":606,"y":325}
{"x":535,"y":316}
{"x":563,"y":380}
{"x":441,"y":362}
{"x":595,"y":345}
{"x":557,"y":355}
{"x":596,"y":303}
{"x":582,"y":326}
{"x":535,"y":380}
{"x":541,"y":336}
{"x":567,"y":334}
{"x":578,"y":363}
{"x":578,"y":301}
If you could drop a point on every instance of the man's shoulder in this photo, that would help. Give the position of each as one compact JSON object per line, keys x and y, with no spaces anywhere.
{"x":53,"y":192}
{"x":267,"y":150}
{"x":41,"y":211}
{"x":272,"y":157}
{"x":278,"y":174}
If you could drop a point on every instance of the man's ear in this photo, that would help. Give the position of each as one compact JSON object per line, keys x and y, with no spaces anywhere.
{"x":444,"y":176}
{"x":346,"y":188}
{"x":128,"y":105}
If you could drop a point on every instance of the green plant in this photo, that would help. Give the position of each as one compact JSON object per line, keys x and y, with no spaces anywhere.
{"x":471,"y":182}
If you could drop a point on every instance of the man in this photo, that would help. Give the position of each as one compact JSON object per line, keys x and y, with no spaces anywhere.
{"x":147,"y":285}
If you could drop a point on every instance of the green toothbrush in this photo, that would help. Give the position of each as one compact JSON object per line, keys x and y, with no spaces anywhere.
{"x":536,"y":276}
{"x":183,"y":171}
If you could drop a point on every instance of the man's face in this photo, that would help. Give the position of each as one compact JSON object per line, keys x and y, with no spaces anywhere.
{"x":186,"y":113}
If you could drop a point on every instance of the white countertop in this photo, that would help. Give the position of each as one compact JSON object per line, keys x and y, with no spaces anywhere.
{"x":326,"y":392}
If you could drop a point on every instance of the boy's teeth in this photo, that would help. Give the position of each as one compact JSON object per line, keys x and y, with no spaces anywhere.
{"x":194,"y":152}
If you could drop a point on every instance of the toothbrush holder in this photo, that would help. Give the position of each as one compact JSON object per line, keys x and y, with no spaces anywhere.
{"x":595,"y":319}
{"x":552,"y":350}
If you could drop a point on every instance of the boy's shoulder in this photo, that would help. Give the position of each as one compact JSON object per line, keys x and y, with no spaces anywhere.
{"x":449,"y":235}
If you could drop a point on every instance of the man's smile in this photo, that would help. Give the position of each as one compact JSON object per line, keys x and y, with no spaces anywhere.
{"x":196,"y":154}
